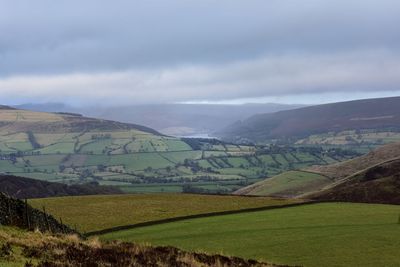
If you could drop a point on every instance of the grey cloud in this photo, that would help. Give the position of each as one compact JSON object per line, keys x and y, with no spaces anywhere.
{"x":367,"y":71}
{"x":186,"y":50}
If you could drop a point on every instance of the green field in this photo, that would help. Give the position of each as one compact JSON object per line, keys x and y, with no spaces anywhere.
{"x":287,"y":184}
{"x":330,"y":234}
{"x":91,"y":213}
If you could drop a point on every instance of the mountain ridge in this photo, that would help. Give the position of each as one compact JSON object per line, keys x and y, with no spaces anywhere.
{"x":377,"y":113}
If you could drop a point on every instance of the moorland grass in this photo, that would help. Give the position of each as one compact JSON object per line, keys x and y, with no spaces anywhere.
{"x":328,"y":234}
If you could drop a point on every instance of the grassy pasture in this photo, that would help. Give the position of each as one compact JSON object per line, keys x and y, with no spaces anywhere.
{"x":329,"y":234}
{"x":92,"y":213}
{"x":291,"y":183}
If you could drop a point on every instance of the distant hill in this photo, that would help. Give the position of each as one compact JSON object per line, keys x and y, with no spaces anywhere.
{"x":21,"y":187}
{"x":378,"y":184}
{"x":5,"y":107}
{"x":381,"y":113}
{"x":171,"y":119}
{"x":373,"y":177}
{"x":16,"y":120}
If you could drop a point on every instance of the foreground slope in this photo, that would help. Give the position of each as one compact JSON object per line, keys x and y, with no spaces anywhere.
{"x":382,"y":113}
{"x":329,"y":234}
{"x":21,"y":248}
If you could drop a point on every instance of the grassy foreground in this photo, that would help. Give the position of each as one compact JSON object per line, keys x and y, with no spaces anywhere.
{"x":91,"y":213}
{"x":329,"y":234}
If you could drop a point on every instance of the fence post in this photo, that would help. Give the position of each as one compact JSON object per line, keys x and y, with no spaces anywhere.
{"x":10,"y":215}
{"x":28,"y":223}
{"x":62,"y":226}
{"x":46,"y":219}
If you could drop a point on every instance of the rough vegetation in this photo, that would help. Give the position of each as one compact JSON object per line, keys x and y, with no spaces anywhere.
{"x":42,"y":250}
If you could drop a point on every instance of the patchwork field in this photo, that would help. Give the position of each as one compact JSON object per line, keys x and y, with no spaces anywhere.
{"x":69,"y":148}
{"x":329,"y":234}
{"x":92,"y":213}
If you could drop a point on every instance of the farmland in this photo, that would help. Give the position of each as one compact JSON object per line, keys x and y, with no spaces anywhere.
{"x":330,"y":234}
{"x":91,"y":213}
{"x":72,"y":149}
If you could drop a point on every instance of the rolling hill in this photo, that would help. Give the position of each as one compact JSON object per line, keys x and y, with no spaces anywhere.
{"x":370,"y":114}
{"x":170,"y":119}
{"x":346,"y":181}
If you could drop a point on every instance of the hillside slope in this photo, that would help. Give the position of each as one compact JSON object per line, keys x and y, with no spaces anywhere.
{"x":17,"y":120}
{"x":379,"y":113}
{"x":287,"y":184}
{"x":378,"y":184}
{"x":341,"y":170}
{"x":320,"y":177}
{"x":21,"y":187}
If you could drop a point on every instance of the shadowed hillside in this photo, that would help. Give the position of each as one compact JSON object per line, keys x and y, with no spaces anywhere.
{"x":382,"y":113}
{"x":21,"y":187}
{"x":378,"y":184}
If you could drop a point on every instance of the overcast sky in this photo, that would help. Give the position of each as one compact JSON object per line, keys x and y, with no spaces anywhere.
{"x":203,"y":51}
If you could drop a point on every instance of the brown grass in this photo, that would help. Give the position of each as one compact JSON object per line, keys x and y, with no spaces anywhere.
{"x":43,"y":250}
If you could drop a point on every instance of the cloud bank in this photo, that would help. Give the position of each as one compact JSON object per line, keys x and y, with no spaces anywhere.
{"x":187,"y":51}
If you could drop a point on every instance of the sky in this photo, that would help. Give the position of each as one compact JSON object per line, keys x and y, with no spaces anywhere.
{"x":209,"y":51}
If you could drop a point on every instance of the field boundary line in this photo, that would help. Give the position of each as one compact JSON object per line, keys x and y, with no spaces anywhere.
{"x":196,"y":216}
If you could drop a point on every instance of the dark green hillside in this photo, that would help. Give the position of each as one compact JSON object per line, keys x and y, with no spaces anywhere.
{"x":21,"y":187}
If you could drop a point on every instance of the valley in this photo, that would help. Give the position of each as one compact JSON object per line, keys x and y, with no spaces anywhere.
{"x":70,"y":149}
